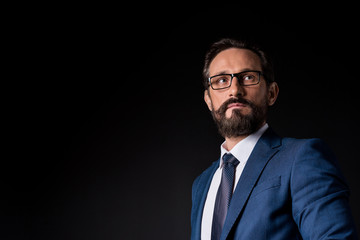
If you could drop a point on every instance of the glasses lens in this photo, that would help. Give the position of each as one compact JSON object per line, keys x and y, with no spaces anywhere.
{"x":220,"y":81}
{"x":249,"y":78}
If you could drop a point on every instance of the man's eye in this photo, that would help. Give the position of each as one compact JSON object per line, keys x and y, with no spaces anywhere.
{"x":248,"y":77}
{"x":222,"y":80}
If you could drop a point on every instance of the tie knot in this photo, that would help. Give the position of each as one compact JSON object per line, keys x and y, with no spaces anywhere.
{"x":228,"y":158}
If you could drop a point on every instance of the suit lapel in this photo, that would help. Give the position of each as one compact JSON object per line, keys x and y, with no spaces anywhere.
{"x":201,"y":194}
{"x":264,"y":150}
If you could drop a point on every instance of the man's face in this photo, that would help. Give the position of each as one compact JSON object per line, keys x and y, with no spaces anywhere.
{"x":239,"y":110}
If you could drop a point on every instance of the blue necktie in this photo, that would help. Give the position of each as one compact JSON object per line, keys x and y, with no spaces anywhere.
{"x":223,"y":195}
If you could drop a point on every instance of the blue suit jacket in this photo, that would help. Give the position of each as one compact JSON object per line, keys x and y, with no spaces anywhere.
{"x":289,"y":189}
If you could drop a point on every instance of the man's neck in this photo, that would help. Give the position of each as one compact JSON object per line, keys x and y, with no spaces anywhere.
{"x":231,"y":142}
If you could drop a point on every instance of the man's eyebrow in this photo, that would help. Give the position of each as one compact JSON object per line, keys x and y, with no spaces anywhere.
{"x":222,"y":72}
{"x":226,"y":72}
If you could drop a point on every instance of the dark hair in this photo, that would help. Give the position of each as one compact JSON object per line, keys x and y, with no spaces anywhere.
{"x":226,"y":43}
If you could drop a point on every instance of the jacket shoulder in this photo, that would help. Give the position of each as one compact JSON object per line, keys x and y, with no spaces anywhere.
{"x":307,"y":145}
{"x":273,"y":140}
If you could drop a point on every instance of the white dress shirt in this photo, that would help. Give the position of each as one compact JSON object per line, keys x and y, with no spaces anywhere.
{"x":241,"y":151}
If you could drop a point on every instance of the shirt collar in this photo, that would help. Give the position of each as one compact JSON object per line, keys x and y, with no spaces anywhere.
{"x":243,"y":149}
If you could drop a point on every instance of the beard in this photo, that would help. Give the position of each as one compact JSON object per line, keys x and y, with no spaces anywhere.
{"x":239,"y":124}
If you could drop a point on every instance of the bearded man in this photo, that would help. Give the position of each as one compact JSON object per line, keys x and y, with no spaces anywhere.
{"x":263,"y":186}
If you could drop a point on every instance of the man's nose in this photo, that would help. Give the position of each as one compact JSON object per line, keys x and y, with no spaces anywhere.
{"x":236,"y":88}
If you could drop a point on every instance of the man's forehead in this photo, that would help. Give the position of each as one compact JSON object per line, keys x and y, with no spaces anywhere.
{"x":234,"y":60}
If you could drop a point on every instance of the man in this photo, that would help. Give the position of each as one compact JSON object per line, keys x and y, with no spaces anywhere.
{"x":263,"y":186}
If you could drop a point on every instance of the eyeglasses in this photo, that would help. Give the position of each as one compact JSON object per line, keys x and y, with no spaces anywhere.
{"x":245,"y":78}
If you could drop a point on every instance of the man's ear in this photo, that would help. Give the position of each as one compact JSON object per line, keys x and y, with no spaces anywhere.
{"x":207,"y":99}
{"x":273,"y":93}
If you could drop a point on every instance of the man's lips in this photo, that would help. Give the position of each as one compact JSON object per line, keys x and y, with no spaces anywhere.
{"x":236,"y":105}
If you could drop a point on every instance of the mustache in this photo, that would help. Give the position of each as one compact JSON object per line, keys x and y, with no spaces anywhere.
{"x":222,"y":109}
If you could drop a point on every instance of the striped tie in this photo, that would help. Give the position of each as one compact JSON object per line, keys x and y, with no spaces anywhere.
{"x":223,"y":195}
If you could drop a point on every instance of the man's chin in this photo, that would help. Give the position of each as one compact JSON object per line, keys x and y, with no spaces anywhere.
{"x":231,"y":112}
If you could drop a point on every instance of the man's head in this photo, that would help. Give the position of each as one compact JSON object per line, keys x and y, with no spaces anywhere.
{"x":239,"y":87}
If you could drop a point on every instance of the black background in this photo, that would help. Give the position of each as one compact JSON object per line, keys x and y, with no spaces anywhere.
{"x":110,"y":128}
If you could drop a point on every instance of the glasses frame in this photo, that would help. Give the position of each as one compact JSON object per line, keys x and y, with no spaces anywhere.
{"x":235,"y":75}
